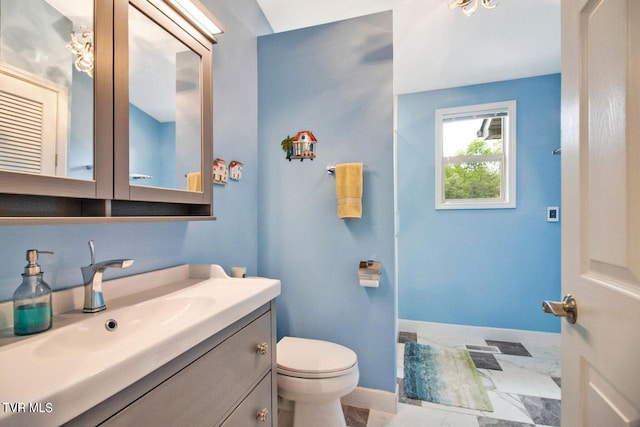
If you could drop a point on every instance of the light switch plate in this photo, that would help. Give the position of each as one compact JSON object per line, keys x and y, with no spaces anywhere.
{"x":553,"y":214}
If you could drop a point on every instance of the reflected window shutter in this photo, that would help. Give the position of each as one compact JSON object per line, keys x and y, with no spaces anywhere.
{"x":21,"y":124}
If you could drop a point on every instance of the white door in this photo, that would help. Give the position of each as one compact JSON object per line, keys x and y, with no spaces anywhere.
{"x":601,"y":205}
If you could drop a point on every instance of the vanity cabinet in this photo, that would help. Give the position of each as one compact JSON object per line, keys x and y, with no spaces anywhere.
{"x":134,"y":114}
{"x":229,"y":380}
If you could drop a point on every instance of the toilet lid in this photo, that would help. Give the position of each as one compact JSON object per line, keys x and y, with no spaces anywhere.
{"x":313,"y":358}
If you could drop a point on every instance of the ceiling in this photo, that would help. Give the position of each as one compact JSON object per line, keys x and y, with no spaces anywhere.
{"x":284,"y":15}
{"x":435,"y":47}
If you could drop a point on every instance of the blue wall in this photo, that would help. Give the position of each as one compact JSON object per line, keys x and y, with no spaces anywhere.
{"x":229,"y":241}
{"x":335,"y":80}
{"x":80,"y":148}
{"x":489,"y":267}
{"x":152,"y":149}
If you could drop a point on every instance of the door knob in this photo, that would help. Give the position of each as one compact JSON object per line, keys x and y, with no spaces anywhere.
{"x":567,"y":308}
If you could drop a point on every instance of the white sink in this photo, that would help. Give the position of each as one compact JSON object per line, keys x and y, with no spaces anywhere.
{"x":150,"y":319}
{"x":114,"y":330}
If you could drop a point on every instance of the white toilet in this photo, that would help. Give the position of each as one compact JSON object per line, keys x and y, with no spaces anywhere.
{"x":314,"y":375}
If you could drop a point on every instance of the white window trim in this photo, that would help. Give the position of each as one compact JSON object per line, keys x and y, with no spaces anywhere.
{"x":509,"y":164}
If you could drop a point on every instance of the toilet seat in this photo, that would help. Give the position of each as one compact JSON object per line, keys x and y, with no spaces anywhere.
{"x":308,"y":358}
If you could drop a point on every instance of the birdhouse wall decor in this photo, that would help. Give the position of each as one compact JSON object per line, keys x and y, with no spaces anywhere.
{"x":235,"y":170}
{"x":220,"y":172}
{"x":301,"y":146}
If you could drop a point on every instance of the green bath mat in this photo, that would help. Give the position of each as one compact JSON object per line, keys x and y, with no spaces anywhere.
{"x":443,"y":375}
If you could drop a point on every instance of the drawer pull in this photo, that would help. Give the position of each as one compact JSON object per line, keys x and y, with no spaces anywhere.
{"x":262,"y":348}
{"x":262,"y":415}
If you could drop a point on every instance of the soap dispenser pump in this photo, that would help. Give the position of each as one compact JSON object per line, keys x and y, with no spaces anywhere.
{"x":32,"y":300}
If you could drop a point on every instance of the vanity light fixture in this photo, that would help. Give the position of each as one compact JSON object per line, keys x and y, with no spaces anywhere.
{"x":82,"y":48}
{"x":196,"y":13}
{"x":470,"y":6}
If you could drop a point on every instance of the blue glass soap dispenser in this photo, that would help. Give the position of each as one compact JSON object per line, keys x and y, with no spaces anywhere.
{"x":32,"y":300}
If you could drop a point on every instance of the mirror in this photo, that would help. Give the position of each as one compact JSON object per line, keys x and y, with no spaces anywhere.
{"x":46,"y":87}
{"x":165,"y":107}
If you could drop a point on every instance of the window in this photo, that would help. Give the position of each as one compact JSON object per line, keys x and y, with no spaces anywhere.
{"x":476,"y":156}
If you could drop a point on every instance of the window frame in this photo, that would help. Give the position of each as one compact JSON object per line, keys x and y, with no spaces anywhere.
{"x":508,"y":176}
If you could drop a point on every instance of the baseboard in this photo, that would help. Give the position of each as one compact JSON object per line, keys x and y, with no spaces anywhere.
{"x":497,"y":334}
{"x":371,"y":398}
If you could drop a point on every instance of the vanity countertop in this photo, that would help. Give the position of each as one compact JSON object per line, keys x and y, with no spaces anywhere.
{"x":51,"y":377}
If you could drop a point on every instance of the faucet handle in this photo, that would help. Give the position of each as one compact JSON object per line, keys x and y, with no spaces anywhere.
{"x":93,"y":252}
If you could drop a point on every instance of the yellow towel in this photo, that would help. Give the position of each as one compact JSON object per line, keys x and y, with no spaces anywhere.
{"x":349,"y":190}
{"x":194,"y":181}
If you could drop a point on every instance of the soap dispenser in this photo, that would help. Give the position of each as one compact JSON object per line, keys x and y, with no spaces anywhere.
{"x":32,"y":300}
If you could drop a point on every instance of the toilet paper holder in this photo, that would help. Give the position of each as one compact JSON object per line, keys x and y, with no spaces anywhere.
{"x":369,"y":273}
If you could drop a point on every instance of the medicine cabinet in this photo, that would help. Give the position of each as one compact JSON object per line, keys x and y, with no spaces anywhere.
{"x":105,"y":111}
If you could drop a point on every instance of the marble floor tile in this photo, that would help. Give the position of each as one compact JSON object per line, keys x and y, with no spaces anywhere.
{"x":415,"y":416}
{"x":549,"y":367}
{"x":355,"y":417}
{"x":545,"y":351}
{"x":407,"y":337}
{"x":492,"y":422}
{"x":451,"y":341}
{"x":486,"y":379}
{"x":402,"y":395}
{"x":485,"y":360}
{"x":437,"y":340}
{"x":543,"y":411}
{"x":513,"y":348}
{"x":507,"y":406}
{"x":452,"y":409}
{"x":522,"y":383}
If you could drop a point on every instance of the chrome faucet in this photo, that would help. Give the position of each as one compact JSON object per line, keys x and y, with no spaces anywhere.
{"x":92,"y":277}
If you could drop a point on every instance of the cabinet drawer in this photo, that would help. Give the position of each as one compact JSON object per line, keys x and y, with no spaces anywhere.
{"x":204,"y":391}
{"x":256,"y":404}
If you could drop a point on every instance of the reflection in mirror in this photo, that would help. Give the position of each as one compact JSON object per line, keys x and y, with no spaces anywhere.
{"x":165,"y":107}
{"x":46,"y":101}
